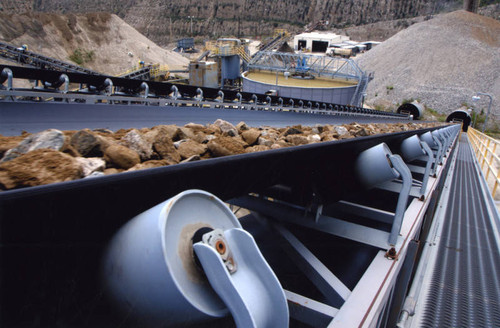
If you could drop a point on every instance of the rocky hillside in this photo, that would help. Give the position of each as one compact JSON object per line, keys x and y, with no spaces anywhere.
{"x":102,"y":42}
{"x":442,"y":62}
{"x":164,"y":21}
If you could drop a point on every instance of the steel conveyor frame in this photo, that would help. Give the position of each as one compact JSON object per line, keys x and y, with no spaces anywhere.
{"x":50,"y":231}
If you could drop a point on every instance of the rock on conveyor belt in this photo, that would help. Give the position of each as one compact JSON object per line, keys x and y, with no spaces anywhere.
{"x":54,"y":156}
{"x":442,"y":62}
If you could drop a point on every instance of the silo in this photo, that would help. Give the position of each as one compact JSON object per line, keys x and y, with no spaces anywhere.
{"x":230,"y":67}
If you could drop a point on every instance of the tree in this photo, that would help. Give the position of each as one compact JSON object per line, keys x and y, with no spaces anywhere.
{"x":471,"y":5}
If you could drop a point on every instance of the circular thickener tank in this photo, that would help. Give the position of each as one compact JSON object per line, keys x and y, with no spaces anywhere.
{"x":460,"y":116}
{"x":414,"y":109}
{"x":320,"y":89}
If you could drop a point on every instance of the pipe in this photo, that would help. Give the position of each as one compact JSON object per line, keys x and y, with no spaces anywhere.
{"x":175,"y":92}
{"x":199,"y":94}
{"x":292,"y":103}
{"x":108,"y":86}
{"x":240,"y":97}
{"x":65,"y":80}
{"x":221,"y":95}
{"x":254,"y":98}
{"x":145,"y":87}
{"x":7,"y":75}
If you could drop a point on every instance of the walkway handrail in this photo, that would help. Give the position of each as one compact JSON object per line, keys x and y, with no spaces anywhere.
{"x":485,"y":148}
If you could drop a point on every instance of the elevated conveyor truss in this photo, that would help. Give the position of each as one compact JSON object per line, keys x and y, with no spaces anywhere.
{"x":32,"y":59}
{"x":115,"y":90}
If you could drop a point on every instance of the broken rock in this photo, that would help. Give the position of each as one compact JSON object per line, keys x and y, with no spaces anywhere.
{"x":297,"y":140}
{"x":242,"y":126}
{"x":251,"y":136}
{"x":256,"y":148}
{"x":164,"y":147}
{"x":7,"y":143}
{"x":91,"y":165}
{"x":225,"y":146}
{"x":265,"y":142}
{"x":313,"y":138}
{"x":193,"y":158}
{"x":135,"y":141}
{"x":48,"y":139}
{"x":38,"y":167}
{"x":292,"y":130}
{"x":86,"y":143}
{"x":151,"y":164}
{"x":341,"y":131}
{"x":191,"y":148}
{"x":121,"y":156}
{"x":226,"y":128}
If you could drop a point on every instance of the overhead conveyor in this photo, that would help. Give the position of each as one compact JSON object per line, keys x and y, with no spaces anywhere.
{"x":99,"y":89}
{"x":22,"y":56}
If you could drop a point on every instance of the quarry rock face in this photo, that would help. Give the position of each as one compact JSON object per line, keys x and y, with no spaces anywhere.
{"x":256,"y":17}
{"x":133,"y":149}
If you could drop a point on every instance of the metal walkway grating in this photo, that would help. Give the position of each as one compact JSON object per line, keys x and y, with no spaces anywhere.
{"x":465,"y":285}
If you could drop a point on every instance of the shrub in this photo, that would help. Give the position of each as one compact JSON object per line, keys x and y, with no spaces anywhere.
{"x":81,"y":57}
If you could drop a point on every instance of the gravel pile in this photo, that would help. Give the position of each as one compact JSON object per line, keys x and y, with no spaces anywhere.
{"x":115,"y":46}
{"x":54,"y":156}
{"x":442,"y":62}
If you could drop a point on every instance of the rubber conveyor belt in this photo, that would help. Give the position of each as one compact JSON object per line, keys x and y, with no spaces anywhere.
{"x":465,"y":285}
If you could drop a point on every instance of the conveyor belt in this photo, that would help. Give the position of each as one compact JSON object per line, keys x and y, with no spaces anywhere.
{"x":465,"y":285}
{"x":133,"y":87}
{"x":16,"y":117}
{"x":33,"y":59}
